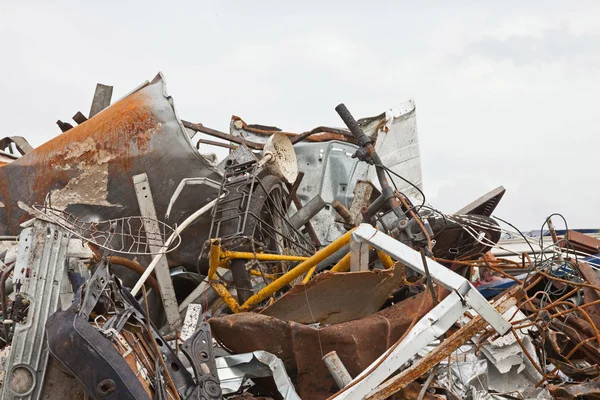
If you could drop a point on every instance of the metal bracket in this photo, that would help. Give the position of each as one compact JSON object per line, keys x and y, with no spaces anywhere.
{"x":167,"y":292}
{"x":198,"y":349}
{"x":359,"y":255}
{"x":95,"y":286}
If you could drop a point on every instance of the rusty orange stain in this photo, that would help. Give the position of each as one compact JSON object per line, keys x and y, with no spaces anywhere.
{"x":122,"y":130}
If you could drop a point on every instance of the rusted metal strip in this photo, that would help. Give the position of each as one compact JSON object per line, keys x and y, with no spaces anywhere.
{"x":153,"y":234}
{"x":221,"y":135}
{"x":582,"y":242}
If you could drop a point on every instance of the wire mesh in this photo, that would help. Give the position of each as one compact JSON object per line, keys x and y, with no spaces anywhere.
{"x":126,"y":235}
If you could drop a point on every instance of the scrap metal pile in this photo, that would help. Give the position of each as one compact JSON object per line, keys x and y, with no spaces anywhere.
{"x":300,"y":266}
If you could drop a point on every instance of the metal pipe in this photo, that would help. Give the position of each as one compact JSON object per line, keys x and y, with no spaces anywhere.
{"x":385,"y":259}
{"x":226,"y":296}
{"x":333,"y":259}
{"x":4,"y":297}
{"x":426,"y":385}
{"x":242,"y":283}
{"x":309,"y":228}
{"x":307,"y":212}
{"x":214,"y":257}
{"x":337,"y":369}
{"x":213,"y":143}
{"x":309,"y":274}
{"x":260,"y":256}
{"x":221,"y":135}
{"x":134,"y":266}
{"x":259,"y":273}
{"x":343,"y":265}
{"x":342,"y":212}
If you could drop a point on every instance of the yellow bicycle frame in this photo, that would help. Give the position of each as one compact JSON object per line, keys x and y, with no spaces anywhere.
{"x":218,"y":258}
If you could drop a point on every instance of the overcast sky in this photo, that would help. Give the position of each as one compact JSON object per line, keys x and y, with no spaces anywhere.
{"x":506,"y":92}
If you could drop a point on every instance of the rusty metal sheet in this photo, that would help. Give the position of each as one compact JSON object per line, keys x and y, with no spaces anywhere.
{"x":589,"y":294}
{"x":587,"y":390}
{"x":358,"y":343}
{"x":333,"y":298}
{"x":88,"y":169}
{"x":582,"y":242}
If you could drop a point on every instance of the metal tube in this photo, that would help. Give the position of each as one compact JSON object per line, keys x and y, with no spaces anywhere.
{"x":134,"y":266}
{"x":342,"y":211}
{"x":307,"y":212}
{"x":214,"y":257}
{"x":258,"y":273}
{"x":309,"y":228}
{"x":260,"y":256}
{"x":385,"y":259}
{"x":221,"y":135}
{"x":241,"y":281}
{"x":296,"y":272}
{"x":373,"y":208}
{"x":226,"y":296}
{"x":333,"y":259}
{"x":309,"y":274}
{"x":343,"y":265}
{"x":337,"y":369}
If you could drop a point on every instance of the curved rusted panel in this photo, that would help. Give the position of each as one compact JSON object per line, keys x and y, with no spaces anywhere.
{"x":88,"y":170}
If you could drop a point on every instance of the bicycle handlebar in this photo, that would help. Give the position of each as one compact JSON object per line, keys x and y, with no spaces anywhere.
{"x":361,"y":139}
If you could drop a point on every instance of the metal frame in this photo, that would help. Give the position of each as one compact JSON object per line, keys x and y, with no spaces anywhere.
{"x":237,"y":176}
{"x":434,"y":324}
{"x":43,"y":250}
{"x":305,"y":266}
{"x":220,"y":258}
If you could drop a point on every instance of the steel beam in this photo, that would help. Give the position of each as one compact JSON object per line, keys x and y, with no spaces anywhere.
{"x":167,"y":291}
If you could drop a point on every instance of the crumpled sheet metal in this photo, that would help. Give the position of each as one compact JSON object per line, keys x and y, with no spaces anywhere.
{"x":235,"y":369}
{"x":588,"y":390}
{"x":333,"y":298}
{"x":88,"y":170}
{"x":358,"y":343}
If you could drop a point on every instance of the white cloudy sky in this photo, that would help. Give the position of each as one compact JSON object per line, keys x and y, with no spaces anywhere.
{"x":506,"y":92}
